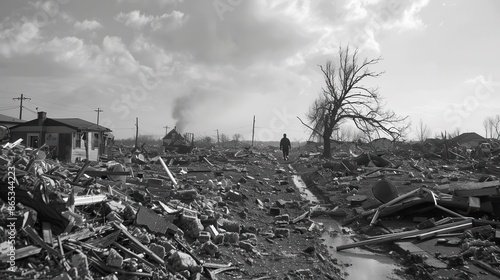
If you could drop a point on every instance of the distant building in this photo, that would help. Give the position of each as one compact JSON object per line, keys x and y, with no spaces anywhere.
{"x":174,"y":141}
{"x":468,"y":140}
{"x":68,"y":139}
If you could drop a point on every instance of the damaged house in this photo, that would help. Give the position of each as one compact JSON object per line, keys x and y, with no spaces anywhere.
{"x":175,"y":141}
{"x":68,"y":139}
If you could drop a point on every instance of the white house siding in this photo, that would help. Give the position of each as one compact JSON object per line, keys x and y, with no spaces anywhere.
{"x":79,"y":153}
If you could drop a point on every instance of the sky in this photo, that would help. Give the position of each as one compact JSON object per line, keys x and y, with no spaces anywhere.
{"x":210,"y":66}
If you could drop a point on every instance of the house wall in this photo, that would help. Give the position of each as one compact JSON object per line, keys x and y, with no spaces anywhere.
{"x":79,"y":153}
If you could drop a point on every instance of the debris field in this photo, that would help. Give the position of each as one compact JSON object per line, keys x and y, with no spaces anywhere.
{"x":219,"y":213}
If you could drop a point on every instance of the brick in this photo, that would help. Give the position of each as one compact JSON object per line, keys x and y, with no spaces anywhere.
{"x":159,"y":250}
{"x":248,"y":236}
{"x":203,"y":236}
{"x":281,"y":203}
{"x":212,"y":231}
{"x":274,"y":211}
{"x":234,"y":196}
{"x":242,"y":180}
{"x":231,"y":237}
{"x":284,"y":232}
{"x":246,"y":246}
{"x":283,"y":218}
{"x":230,"y":226}
{"x":210,"y":248}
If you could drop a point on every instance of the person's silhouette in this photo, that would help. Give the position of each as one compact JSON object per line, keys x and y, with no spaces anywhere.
{"x":285,"y":146}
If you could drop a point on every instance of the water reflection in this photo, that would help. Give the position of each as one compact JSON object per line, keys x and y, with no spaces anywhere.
{"x":358,"y":264}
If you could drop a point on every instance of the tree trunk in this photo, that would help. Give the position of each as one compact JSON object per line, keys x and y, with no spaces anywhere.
{"x":327,"y":151}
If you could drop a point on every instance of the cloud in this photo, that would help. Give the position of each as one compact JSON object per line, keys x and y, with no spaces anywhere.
{"x":21,"y":38}
{"x":164,"y":22}
{"x":87,"y":25}
{"x":134,"y":19}
{"x":480,"y":79}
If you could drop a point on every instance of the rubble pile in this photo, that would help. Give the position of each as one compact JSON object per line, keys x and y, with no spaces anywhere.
{"x":217,"y":213}
{"x":440,"y":213}
{"x":211,"y":214}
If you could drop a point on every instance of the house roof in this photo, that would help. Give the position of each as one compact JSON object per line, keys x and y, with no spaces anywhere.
{"x":8,"y":119}
{"x":82,"y":124}
{"x":468,"y":137}
{"x":74,"y":123}
{"x":173,"y":134}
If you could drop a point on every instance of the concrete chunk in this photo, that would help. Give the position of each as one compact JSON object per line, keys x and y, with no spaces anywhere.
{"x":114,"y":259}
{"x":181,"y":261}
{"x":81,"y":263}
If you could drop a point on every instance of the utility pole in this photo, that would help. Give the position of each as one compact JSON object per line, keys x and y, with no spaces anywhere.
{"x":136,"y":131}
{"x":21,"y":105}
{"x":217,"y":136}
{"x":166,"y":129}
{"x":98,"y":111}
{"x":253,"y":129}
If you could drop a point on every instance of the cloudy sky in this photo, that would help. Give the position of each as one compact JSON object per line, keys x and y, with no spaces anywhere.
{"x":212,"y":65}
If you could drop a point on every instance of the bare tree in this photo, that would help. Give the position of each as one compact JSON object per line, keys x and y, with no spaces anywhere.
{"x":422,"y":131}
{"x":224,"y":138}
{"x":494,"y":126}
{"x":486,"y":124}
{"x":455,"y":133}
{"x":237,"y":137}
{"x":345,"y":98}
{"x":207,"y":140}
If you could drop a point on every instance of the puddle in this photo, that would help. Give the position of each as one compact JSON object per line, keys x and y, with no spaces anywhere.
{"x":357,"y":264}
{"x":304,"y":191}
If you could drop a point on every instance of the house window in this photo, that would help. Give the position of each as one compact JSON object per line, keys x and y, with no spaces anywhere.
{"x":32,"y":140}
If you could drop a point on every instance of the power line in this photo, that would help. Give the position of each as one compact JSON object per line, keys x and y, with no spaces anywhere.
{"x":8,"y":108}
{"x":59,"y":109}
{"x":30,"y":110}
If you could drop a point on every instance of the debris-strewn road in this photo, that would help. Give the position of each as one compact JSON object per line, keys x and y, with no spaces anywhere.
{"x":212,"y":214}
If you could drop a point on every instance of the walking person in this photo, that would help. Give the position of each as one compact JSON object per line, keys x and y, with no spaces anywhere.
{"x":285,"y":146}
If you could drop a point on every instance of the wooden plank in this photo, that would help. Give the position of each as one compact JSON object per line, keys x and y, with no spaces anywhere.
{"x":99,"y":173}
{"x":465,"y":189}
{"x":138,"y":243}
{"x":47,"y":233}
{"x":22,"y":253}
{"x":486,"y":267}
{"x":33,"y":235}
{"x":401,"y":235}
{"x":82,"y":170}
{"x":428,"y":259}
